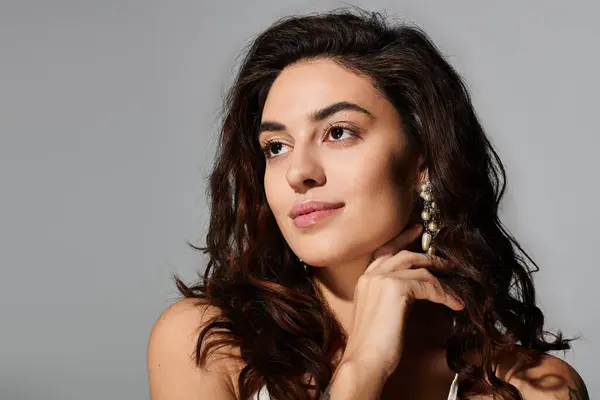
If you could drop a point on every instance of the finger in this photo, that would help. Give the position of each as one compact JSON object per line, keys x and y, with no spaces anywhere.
{"x":423,"y":274}
{"x":433,"y":291}
{"x":406,"y":259}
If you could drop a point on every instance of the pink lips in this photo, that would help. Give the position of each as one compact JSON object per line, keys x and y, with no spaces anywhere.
{"x":309,"y":213}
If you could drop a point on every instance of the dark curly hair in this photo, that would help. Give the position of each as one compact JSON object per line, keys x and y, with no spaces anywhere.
{"x":269,"y":308}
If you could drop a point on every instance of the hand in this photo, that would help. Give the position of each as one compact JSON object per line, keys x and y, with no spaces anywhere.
{"x":383,"y":297}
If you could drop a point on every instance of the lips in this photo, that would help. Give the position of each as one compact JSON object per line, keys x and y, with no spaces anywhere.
{"x":312,"y":206}
{"x":311,"y":212}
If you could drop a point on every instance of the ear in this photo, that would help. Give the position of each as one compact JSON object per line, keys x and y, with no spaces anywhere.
{"x":422,"y":172}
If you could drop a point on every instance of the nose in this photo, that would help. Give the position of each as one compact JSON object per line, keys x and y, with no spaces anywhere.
{"x":305,"y":170}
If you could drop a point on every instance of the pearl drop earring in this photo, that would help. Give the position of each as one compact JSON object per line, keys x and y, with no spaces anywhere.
{"x":429,"y":215}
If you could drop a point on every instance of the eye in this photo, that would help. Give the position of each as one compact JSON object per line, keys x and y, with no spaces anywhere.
{"x":338,"y":131}
{"x":273,"y":148}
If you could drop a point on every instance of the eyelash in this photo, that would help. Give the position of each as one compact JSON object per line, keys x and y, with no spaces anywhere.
{"x":331,"y":127}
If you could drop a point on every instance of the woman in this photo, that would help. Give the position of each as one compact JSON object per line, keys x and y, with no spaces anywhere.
{"x":354,"y":242}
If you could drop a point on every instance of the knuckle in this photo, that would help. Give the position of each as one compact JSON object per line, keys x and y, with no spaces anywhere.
{"x":398,"y":286}
{"x":436,"y":283}
{"x":389,"y":280}
{"x":442,"y":293}
{"x":427,"y":275}
{"x":405,"y":259}
{"x":363,"y":280}
{"x":440,"y":290}
{"x":405,"y":253}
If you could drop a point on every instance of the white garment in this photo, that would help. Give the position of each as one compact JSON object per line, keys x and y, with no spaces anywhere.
{"x":264,"y":394}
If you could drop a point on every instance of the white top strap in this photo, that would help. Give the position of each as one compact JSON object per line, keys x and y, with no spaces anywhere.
{"x":453,"y":395}
{"x":263,"y":394}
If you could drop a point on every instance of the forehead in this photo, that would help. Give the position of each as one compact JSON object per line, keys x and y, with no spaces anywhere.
{"x":309,"y":85}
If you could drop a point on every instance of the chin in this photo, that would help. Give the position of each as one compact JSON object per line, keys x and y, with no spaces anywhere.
{"x":321,"y":254}
{"x":340,"y":243}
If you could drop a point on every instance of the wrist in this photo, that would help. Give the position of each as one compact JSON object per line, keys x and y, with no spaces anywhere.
{"x":368,"y":364}
{"x":354,"y":379}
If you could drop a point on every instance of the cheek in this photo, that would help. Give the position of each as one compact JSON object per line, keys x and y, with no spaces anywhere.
{"x":381,"y":203}
{"x":273,"y":198}
{"x":277,"y":193}
{"x":372,"y":184}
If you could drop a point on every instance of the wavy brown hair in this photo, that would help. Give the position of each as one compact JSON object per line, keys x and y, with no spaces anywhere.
{"x":270,"y":309}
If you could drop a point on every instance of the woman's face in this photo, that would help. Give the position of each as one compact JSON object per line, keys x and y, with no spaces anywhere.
{"x":354,"y":156}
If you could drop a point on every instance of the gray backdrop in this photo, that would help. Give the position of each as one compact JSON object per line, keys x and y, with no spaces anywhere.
{"x":107,"y":122}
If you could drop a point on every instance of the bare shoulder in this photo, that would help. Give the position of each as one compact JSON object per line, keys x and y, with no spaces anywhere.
{"x":172,"y":371}
{"x":542,"y":376}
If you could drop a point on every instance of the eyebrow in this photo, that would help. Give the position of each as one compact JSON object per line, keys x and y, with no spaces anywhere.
{"x":317,"y":116}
